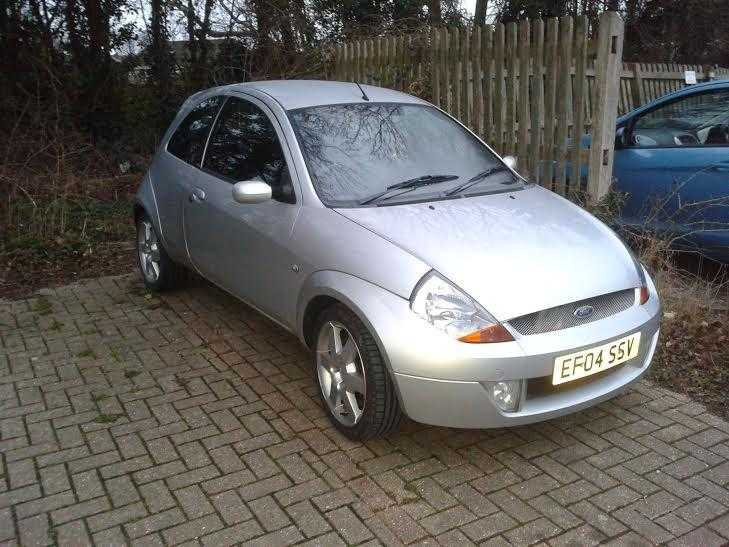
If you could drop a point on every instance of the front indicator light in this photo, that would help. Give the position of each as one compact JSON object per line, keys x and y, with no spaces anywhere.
{"x":506,"y":394}
{"x":494,"y":333}
{"x":644,"y":295}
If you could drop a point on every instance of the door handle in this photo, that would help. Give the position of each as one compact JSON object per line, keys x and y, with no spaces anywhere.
{"x":197,"y":196}
{"x":720,"y":167}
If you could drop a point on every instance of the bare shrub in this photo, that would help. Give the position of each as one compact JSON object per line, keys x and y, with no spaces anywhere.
{"x":692,"y":355}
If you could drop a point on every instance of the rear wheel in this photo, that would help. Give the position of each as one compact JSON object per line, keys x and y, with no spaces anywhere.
{"x":158,"y":270}
{"x":354,"y":385}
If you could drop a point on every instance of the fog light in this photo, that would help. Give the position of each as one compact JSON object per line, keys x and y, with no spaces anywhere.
{"x":506,"y":394}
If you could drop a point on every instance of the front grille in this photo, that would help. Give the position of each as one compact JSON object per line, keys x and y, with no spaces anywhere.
{"x":563,"y":317}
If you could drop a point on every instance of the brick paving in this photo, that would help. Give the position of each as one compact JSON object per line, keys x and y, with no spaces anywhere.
{"x":190,"y":419}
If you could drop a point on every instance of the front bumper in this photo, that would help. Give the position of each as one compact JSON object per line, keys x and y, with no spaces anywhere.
{"x":442,"y":381}
{"x":468,"y":404}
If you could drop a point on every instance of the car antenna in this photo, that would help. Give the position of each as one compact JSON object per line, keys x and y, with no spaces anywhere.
{"x":364,"y":95}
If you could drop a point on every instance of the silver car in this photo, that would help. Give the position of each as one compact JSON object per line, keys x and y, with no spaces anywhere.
{"x":427,"y":277}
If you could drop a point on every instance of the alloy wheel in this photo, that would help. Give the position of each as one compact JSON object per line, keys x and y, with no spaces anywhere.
{"x":149,"y":251}
{"x":341,"y":373}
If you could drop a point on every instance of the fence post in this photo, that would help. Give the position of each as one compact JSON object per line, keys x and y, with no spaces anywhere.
{"x":607,"y":94}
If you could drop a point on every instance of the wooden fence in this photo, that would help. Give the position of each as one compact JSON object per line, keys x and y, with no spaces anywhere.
{"x":641,"y":83}
{"x":571,"y":88}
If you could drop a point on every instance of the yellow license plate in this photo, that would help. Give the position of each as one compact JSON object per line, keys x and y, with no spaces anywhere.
{"x":591,"y":361}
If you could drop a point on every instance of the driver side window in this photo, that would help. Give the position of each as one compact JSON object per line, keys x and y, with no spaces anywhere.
{"x":701,"y":119}
{"x":244,"y":146}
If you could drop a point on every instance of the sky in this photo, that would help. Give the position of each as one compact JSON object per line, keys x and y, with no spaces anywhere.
{"x":469,"y":5}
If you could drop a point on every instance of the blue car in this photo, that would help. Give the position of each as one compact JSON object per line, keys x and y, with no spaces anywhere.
{"x":672,"y":159}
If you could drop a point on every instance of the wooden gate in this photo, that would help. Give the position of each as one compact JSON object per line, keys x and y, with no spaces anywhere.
{"x":531,"y":89}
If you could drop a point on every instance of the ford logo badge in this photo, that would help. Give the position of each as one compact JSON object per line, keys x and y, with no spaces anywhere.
{"x":583,"y":312}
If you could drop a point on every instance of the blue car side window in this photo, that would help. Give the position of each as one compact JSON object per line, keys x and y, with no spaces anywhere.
{"x":701,"y":119}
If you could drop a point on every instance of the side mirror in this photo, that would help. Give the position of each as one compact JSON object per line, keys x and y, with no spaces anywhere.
{"x":620,"y":138}
{"x":510,"y":162}
{"x":251,"y":191}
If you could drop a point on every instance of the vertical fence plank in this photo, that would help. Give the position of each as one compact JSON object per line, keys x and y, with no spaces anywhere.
{"x":477,"y":82}
{"x":550,"y":82}
{"x":523,"y":102}
{"x":339,"y":61}
{"x":609,"y":55}
{"x":368,"y":61}
{"x":465,"y":69}
{"x":385,"y":62}
{"x":537,"y":105}
{"x":434,"y":68}
{"x":578,"y":103}
{"x":444,"y":58}
{"x":377,"y":56}
{"x":485,"y":62}
{"x":456,"y":72}
{"x":357,"y":73}
{"x":511,"y":51}
{"x":400,"y":62}
{"x":499,"y":98}
{"x":563,"y":100}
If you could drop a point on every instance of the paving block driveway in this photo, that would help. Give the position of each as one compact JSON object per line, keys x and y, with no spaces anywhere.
{"x":133,"y":419}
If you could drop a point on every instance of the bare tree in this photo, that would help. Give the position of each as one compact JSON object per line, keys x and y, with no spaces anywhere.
{"x":434,"y":12}
{"x":479,"y":15}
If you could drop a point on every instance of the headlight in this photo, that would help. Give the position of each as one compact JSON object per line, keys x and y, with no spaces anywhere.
{"x":448,"y":309}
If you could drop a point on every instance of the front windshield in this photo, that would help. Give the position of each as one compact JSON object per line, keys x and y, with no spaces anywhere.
{"x":354,"y":151}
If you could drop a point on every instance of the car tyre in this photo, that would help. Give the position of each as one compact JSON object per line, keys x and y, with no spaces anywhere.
{"x":359,"y":363}
{"x":159,"y":271}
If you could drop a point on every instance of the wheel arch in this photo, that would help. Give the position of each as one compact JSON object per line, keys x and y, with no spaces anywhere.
{"x":145,"y":203}
{"x":325,"y":288}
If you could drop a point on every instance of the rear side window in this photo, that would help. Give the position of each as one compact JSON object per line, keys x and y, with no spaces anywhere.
{"x":188,"y":141}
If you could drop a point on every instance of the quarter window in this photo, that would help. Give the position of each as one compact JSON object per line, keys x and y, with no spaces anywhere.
{"x":244,"y":146}
{"x":701,"y":119}
{"x":188,"y":141}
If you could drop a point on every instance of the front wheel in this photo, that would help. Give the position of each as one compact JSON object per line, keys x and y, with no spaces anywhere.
{"x":354,"y":384}
{"x":158,"y":270}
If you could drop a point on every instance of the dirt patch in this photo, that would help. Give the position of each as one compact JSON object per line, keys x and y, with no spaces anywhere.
{"x":24,"y":272}
{"x":692,"y":357}
{"x":72,"y":239}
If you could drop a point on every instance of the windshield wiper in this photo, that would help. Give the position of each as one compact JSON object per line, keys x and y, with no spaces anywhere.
{"x":410,"y":184}
{"x":476,"y":179}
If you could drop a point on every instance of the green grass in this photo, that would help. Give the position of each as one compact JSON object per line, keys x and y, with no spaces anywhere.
{"x":42,"y":305}
{"x":107,"y":418}
{"x":68,"y":224}
{"x":86,"y":353}
{"x":56,"y":325}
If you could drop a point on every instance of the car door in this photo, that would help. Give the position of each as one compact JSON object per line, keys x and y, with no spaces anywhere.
{"x":244,"y":247}
{"x":176,"y":167}
{"x":674,"y":164}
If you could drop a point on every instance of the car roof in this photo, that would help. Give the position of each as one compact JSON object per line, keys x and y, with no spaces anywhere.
{"x":293,"y":94}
